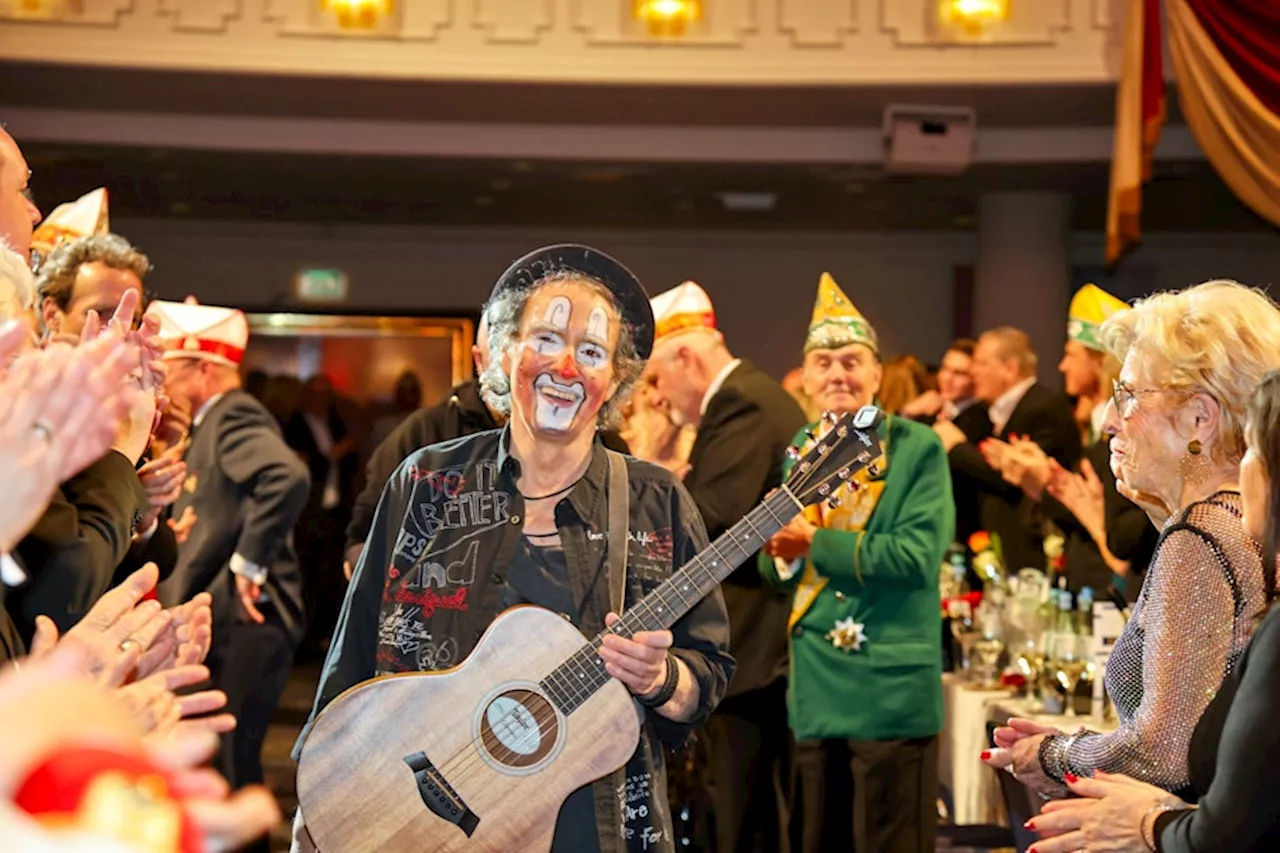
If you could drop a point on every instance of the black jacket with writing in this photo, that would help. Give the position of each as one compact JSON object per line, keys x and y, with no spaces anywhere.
{"x":434,"y":569}
{"x":462,"y":413}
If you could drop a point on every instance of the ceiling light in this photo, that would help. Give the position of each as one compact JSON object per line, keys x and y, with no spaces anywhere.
{"x":973,"y":15}
{"x":667,"y":17}
{"x":357,"y":14}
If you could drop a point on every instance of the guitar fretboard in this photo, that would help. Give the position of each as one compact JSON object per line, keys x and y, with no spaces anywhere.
{"x":579,"y":677}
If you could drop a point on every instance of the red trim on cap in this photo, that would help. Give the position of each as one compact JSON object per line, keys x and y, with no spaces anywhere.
{"x":209,"y":347}
{"x":685,"y":320}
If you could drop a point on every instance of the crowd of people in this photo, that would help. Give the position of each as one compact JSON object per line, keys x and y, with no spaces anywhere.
{"x":179,"y":532}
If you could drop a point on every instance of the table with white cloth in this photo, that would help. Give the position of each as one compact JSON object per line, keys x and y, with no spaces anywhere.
{"x":973,"y":787}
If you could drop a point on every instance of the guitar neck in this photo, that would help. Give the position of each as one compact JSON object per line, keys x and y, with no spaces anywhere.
{"x":694,"y":581}
{"x":574,"y":681}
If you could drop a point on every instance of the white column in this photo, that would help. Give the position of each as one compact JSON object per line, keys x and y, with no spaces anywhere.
{"x":1023,"y":274}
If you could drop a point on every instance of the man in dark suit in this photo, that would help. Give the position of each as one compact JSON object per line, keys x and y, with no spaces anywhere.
{"x":955,"y":401}
{"x":1004,"y":377}
{"x":320,"y":435}
{"x":247,"y":489}
{"x":745,"y":422}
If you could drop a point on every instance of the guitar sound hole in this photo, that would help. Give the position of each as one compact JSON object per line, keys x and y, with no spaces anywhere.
{"x":519,"y":728}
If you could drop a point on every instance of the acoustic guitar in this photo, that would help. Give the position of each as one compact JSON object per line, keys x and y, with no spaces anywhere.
{"x":531,"y":715}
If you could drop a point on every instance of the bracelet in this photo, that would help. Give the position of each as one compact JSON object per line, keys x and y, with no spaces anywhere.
{"x":663,"y":694}
{"x":1148,"y":824}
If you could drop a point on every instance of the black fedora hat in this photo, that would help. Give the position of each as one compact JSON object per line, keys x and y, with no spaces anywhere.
{"x":594,"y":264}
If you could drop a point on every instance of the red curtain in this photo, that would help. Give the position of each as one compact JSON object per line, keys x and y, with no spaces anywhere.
{"x":1247,"y":33}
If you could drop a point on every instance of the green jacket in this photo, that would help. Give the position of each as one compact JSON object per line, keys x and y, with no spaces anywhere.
{"x":885,"y":577}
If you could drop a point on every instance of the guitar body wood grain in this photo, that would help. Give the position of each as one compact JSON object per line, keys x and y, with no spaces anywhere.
{"x":484,"y":726}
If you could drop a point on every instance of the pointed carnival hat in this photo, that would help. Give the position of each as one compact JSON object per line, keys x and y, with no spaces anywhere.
{"x":836,"y":322}
{"x":209,"y":332}
{"x":1090,"y":308}
{"x":84,"y":217}
{"x":684,"y":308}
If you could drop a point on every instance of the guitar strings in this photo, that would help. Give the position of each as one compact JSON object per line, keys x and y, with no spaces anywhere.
{"x":464,"y":764}
{"x":471,"y":759}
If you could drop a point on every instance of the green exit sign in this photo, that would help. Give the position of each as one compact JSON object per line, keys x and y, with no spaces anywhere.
{"x":320,"y":285}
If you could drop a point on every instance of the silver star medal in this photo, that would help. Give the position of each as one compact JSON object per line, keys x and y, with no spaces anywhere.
{"x":847,"y":635}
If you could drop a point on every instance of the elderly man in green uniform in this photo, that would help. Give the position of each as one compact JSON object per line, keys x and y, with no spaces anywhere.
{"x":865,"y":693}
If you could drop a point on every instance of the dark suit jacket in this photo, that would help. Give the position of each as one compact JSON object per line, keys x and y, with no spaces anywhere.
{"x":1046,"y":417}
{"x":247,"y":489}
{"x":161,"y":549}
{"x":72,"y":553}
{"x":463,"y":413}
{"x":736,"y":459}
{"x":298,"y":435}
{"x":1127,"y":528}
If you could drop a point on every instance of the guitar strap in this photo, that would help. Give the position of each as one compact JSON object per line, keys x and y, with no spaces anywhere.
{"x":619,"y":522}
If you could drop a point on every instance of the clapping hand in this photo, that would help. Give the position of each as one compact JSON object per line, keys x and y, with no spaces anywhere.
{"x":1017,"y":749}
{"x":1106,"y":815}
{"x":162,"y":479}
{"x":116,"y":632}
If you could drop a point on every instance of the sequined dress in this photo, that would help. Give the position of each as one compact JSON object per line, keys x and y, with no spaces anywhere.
{"x":1192,"y":621}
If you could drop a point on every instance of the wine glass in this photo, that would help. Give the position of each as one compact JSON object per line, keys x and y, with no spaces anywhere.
{"x":1070,"y":657}
{"x":965,"y":630}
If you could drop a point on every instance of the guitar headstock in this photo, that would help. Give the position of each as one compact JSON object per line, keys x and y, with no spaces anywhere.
{"x":849,"y":445}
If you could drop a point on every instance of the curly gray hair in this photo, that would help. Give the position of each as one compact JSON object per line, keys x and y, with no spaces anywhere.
{"x":56,"y":278}
{"x":504,"y":314}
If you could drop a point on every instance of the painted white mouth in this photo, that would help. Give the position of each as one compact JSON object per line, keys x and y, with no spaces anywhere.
{"x":567,"y":395}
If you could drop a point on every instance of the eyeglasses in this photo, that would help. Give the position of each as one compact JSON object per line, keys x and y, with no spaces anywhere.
{"x":1125,"y":396}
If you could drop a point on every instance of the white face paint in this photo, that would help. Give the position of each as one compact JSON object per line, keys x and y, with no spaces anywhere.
{"x":556,"y":403}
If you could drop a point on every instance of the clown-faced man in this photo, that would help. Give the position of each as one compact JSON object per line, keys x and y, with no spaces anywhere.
{"x":864,"y":696}
{"x":520,"y":515}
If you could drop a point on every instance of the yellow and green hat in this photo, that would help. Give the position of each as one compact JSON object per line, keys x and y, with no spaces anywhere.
{"x":836,"y":322}
{"x":1090,"y":308}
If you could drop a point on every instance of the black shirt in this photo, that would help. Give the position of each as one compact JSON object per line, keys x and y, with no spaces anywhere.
{"x":541,"y":574}
{"x":1234,"y":760}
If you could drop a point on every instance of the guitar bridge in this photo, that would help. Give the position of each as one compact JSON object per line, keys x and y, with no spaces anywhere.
{"x":438,"y":794}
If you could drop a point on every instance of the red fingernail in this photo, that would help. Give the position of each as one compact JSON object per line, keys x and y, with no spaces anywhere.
{"x":1031,"y":824}
{"x":1031,"y":850}
{"x":1071,"y":778}
{"x":985,"y":755}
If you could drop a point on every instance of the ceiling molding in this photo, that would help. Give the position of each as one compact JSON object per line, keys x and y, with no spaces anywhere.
{"x":551,"y":141}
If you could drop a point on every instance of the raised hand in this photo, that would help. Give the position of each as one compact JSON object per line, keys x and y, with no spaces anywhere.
{"x":116,"y":632}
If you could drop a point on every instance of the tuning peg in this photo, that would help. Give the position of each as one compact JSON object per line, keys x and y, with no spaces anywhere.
{"x":824,"y":490}
{"x":830,"y":416}
{"x":833,"y":502}
{"x":844,"y":473}
{"x":793,"y":453}
{"x":810,"y":433}
{"x":873,"y":470}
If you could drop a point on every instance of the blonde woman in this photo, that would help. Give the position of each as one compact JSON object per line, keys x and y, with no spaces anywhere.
{"x":1191,"y":361}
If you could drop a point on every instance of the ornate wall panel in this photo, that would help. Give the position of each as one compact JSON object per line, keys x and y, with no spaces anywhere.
{"x":1031,"y":22}
{"x":514,"y":21}
{"x":201,"y":15}
{"x":724,"y":23}
{"x":818,"y":22}
{"x":798,"y":42}
{"x":92,"y":12}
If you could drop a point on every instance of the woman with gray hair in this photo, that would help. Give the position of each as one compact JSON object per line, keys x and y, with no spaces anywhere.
{"x":1191,"y":360}
{"x":470,"y":527}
